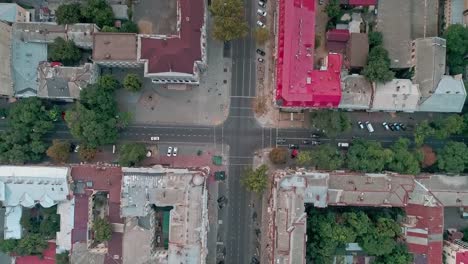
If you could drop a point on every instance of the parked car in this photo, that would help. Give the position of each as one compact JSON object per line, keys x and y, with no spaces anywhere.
{"x":403,"y":127}
{"x":154,"y":138}
{"x":343,"y":144}
{"x":315,"y":135}
{"x":397,"y":126}
{"x":174,"y":151}
{"x":321,"y":2}
{"x":261,"y":24}
{"x":292,"y":146}
{"x":360,"y":124}
{"x":222,"y":199}
{"x":260,"y":52}
{"x":280,"y":140}
{"x":262,"y":3}
{"x":369,"y":127}
{"x":306,"y":142}
{"x":261,"y":60}
{"x":169,"y":151}
{"x":385,"y":125}
{"x":261,"y":12}
{"x":392,"y":127}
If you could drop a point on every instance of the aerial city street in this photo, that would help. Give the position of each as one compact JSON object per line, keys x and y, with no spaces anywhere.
{"x":233,"y":132}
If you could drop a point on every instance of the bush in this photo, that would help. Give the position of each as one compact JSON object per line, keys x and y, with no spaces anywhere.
{"x":102,"y":230}
{"x":132,"y":83}
{"x":278,"y":155}
{"x":64,"y":51}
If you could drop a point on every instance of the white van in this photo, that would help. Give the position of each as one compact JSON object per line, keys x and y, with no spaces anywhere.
{"x":369,"y":127}
{"x":343,"y":144}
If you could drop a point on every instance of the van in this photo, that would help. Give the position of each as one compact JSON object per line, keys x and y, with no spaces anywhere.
{"x":369,"y":127}
{"x":343,"y":144}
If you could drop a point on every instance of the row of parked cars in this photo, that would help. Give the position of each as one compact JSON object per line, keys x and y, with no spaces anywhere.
{"x":387,"y":126}
{"x":262,"y":13}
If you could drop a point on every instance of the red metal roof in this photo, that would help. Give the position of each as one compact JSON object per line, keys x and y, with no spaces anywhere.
{"x":341,"y":35}
{"x":363,"y":2}
{"x":462,"y":257}
{"x":107,"y":179}
{"x":298,"y":83}
{"x":177,"y":54}
{"x":48,"y":257}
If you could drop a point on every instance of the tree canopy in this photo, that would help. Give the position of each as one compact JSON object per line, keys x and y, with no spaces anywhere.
{"x":94,"y":119}
{"x":453,"y":157}
{"x":368,"y":156}
{"x":333,"y":9}
{"x":332,"y":122}
{"x":132,"y":83}
{"x":378,"y":66}
{"x":86,"y":153}
{"x":131,"y":154}
{"x":403,"y":160}
{"x":256,"y":180}
{"x":451,"y":125}
{"x":23,"y":140}
{"x":102,"y":230}
{"x":278,"y":155}
{"x":457,"y":48}
{"x":261,"y":35}
{"x":69,"y":14}
{"x":422,"y":131}
{"x":326,"y":157}
{"x":304,"y":158}
{"x":375,"y":38}
{"x":64,"y":51}
{"x":428,"y":155}
{"x":59,"y":151}
{"x":229,"y":20}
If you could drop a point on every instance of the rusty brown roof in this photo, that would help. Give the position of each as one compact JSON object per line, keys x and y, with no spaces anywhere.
{"x":115,"y":47}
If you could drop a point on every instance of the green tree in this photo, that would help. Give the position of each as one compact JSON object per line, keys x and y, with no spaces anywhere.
{"x":378,"y":66}
{"x":132,"y":83}
{"x":32,"y":244}
{"x":69,"y":14}
{"x":403,"y":160}
{"x":8,"y":245}
{"x":62,"y":258}
{"x":368,"y":156}
{"x":108,"y":82}
{"x":129,"y":27}
{"x":333,"y":9}
{"x":131,"y":154}
{"x":49,"y":226}
{"x":422,"y":131}
{"x":229,"y":20}
{"x":453,"y":158}
{"x":376,"y":245}
{"x":359,"y":221}
{"x":399,"y":255}
{"x":59,"y":151}
{"x":109,"y":29}
{"x":326,"y":157}
{"x":304,"y":158}
{"x":375,"y":38}
{"x":102,"y":230}
{"x":29,"y":121}
{"x":332,"y":122}
{"x":464,"y":231}
{"x":457,"y":48}
{"x":256,"y":180}
{"x":278,"y":155}
{"x":261,"y":35}
{"x":98,"y":12}
{"x":452,"y":125}
{"x":54,"y":113}
{"x":124,"y":119}
{"x":64,"y":51}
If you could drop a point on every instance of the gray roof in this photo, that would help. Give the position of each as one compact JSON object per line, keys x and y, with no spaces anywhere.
{"x":120,"y":11}
{"x":6,"y":83}
{"x":356,"y":92}
{"x":449,"y":96}
{"x":81,"y":34}
{"x":402,"y":21}
{"x":12,"y":12}
{"x":429,"y":64}
{"x":64,"y":82}
{"x":456,"y":11}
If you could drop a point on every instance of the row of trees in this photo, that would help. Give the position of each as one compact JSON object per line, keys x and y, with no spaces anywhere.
{"x":98,"y":12}
{"x":330,"y":122}
{"x":329,"y":231}
{"x":23,"y":141}
{"x":229,"y":20}
{"x":441,"y":128}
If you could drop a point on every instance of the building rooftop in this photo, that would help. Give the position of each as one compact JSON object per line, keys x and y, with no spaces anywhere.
{"x":449,"y":96}
{"x":429,"y":64}
{"x":11,"y":12}
{"x":47,"y":257}
{"x":58,"y":82}
{"x":181,"y":52}
{"x":396,"y":95}
{"x":298,"y":83}
{"x":402,"y":21}
{"x":115,"y":47}
{"x":363,"y":2}
{"x":356,"y":92}
{"x":183,"y":190}
{"x":6,"y":83}
{"x":337,"y":39}
{"x":357,"y":50}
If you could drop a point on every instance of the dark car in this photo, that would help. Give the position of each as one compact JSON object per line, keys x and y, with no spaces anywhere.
{"x":254,"y":261}
{"x":306,"y":142}
{"x":280,"y":141}
{"x":403,"y":127}
{"x":260,"y":52}
{"x":222,"y":199}
{"x":315,"y":135}
{"x":397,"y":126}
{"x":392,"y":127}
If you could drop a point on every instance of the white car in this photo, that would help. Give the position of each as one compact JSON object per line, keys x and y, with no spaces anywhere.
{"x":261,"y":24}
{"x":261,"y":4}
{"x":169,"y":151}
{"x":154,"y":138}
{"x":174,"y":151}
{"x":261,"y":60}
{"x":261,"y":13}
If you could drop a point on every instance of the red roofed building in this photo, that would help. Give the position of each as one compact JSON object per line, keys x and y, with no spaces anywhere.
{"x":48,"y":257}
{"x":337,"y":40}
{"x":177,"y":59}
{"x":456,"y":252}
{"x":299,"y":85}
